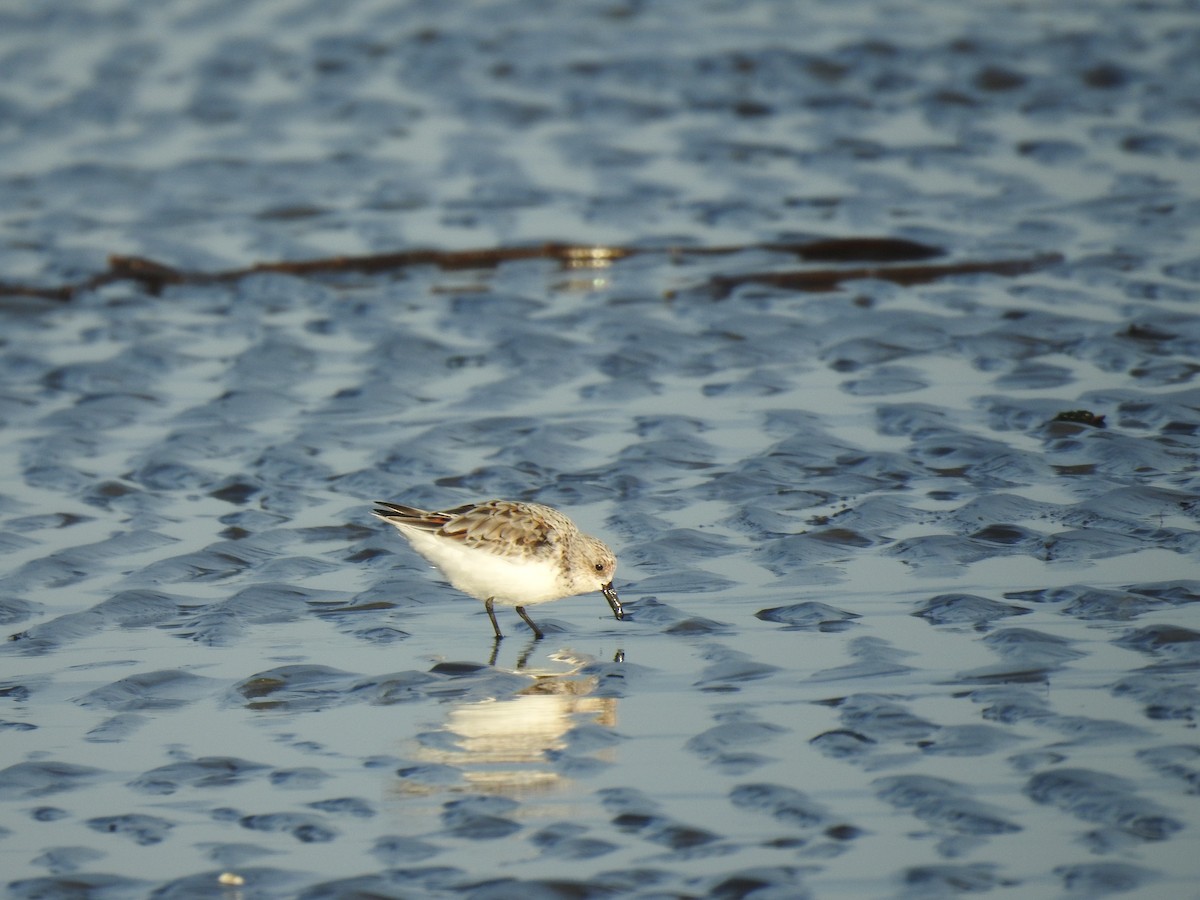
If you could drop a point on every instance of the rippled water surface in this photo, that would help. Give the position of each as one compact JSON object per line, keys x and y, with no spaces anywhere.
{"x":895,"y":629}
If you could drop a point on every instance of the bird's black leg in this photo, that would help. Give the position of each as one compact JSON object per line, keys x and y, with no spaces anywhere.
{"x":487,"y":604}
{"x":537,"y":632}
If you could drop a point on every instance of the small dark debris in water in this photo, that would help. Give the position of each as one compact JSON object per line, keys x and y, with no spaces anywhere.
{"x":1082,"y":417}
{"x":112,"y":489}
{"x":1104,"y":76}
{"x":995,"y":78}
{"x":1081,"y":469}
{"x":237,"y":492}
{"x":862,"y":250}
{"x":843,"y":832}
{"x":1147,"y":333}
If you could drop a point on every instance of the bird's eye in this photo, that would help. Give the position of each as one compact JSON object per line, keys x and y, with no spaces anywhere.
{"x":599,"y":567}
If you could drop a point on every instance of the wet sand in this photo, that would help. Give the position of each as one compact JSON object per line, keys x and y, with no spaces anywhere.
{"x":894,"y":629}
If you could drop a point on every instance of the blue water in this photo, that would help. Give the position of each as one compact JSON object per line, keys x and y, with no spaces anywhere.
{"x":894,"y":631}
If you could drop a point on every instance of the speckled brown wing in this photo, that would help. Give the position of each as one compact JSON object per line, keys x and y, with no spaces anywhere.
{"x":503,"y":527}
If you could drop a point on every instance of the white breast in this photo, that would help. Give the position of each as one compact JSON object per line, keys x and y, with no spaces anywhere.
{"x":511,"y":581}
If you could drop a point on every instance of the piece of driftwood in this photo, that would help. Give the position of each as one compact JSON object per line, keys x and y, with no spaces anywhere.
{"x":891,"y":259}
{"x":817,"y":280}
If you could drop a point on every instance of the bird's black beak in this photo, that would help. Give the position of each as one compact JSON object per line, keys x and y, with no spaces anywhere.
{"x":610,"y":594}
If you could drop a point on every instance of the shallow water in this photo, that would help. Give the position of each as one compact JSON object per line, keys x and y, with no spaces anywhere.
{"x":894,"y":631}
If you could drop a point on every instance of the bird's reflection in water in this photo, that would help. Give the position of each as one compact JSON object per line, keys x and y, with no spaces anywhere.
{"x":514,"y":745}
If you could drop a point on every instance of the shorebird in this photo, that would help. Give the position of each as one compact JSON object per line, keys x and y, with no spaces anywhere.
{"x":508,"y":552}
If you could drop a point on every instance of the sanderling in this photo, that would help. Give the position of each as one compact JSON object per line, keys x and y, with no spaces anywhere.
{"x":508,"y":552}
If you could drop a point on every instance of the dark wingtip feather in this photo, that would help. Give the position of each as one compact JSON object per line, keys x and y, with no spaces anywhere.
{"x":386,"y":510}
